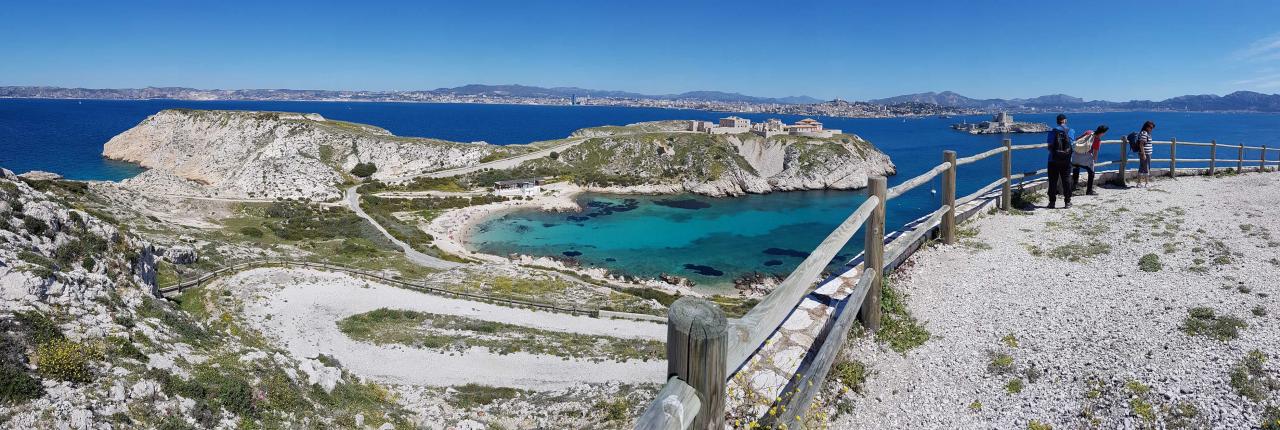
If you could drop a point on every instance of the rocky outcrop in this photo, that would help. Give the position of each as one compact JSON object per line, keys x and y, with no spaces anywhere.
{"x":717,"y":165}
{"x":244,"y":154}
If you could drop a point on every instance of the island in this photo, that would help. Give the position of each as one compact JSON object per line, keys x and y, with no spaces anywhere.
{"x":1000,"y":123}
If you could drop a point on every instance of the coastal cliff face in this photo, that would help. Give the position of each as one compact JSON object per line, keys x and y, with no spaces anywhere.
{"x":718,"y":165}
{"x":239,"y":154}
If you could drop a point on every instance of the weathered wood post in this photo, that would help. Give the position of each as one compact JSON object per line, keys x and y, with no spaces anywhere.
{"x":873,"y":253}
{"x":1213,"y":156}
{"x":697,"y":342}
{"x":1173,"y":157}
{"x":1262,"y":163}
{"x":1006,"y":191}
{"x":1240,"y":159}
{"x":949,"y":198}
{"x":1124,"y":163}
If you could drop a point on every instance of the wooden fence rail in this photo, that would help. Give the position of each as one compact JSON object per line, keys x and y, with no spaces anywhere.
{"x":700,"y":335}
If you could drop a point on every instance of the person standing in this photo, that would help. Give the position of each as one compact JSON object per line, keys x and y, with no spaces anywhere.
{"x":1060,"y":148}
{"x":1086,"y":160}
{"x":1144,"y":156}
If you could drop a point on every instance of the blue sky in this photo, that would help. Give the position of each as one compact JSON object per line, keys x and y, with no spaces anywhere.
{"x":1115,"y":50}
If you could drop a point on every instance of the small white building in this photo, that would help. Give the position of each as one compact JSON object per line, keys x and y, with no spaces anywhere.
{"x":731,"y":125}
{"x":518,"y":188}
{"x":810,"y":127}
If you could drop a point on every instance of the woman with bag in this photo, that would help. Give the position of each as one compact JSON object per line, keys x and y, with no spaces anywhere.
{"x":1085,"y":154}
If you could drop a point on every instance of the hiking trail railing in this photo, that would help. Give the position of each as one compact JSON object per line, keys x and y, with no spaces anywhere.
{"x":705,"y":349}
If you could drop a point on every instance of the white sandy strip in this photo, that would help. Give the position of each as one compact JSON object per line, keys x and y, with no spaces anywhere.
{"x":300,"y":309}
{"x":452,"y":228}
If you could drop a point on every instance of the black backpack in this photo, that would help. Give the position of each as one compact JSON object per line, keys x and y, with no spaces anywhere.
{"x":1060,"y":148}
{"x":1132,"y":139}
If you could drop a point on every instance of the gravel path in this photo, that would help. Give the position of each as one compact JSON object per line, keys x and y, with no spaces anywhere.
{"x":300,"y":309}
{"x":353,"y":202}
{"x":1096,"y":331}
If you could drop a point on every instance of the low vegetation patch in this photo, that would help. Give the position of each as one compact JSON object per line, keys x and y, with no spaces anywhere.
{"x":1149,"y":263}
{"x":851,"y":374}
{"x":898,"y":328}
{"x":1249,"y":378}
{"x":65,"y":360}
{"x":1203,"y":321}
{"x":1077,"y":252}
{"x":473,"y":395}
{"x":456,"y":333}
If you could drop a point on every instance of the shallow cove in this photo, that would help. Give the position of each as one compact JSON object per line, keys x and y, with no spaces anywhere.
{"x":697,"y":238}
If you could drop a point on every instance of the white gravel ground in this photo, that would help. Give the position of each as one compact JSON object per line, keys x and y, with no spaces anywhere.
{"x":300,"y":309}
{"x":1100,"y":318}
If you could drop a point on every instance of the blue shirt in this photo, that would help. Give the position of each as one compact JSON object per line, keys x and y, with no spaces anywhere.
{"x":1071,"y":134}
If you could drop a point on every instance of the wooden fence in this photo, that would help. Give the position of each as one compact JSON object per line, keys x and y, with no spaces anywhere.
{"x":704,"y":349}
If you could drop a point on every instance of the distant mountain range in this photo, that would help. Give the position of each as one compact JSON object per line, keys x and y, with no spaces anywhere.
{"x":474,"y":90}
{"x":1237,"y":101}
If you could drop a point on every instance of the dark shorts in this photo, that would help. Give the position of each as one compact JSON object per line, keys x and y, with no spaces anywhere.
{"x":1144,"y":165}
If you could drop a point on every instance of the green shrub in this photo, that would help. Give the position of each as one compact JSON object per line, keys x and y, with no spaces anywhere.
{"x":251,"y":231}
{"x":364,"y":170}
{"x":1014,"y":386}
{"x":1271,"y":418}
{"x":1202,"y":321}
{"x":35,"y":226}
{"x":472,"y":395}
{"x":65,"y":360}
{"x":123,"y":347}
{"x":851,"y":373}
{"x":16,"y":386}
{"x":38,"y":328}
{"x":1149,"y":263}
{"x":1250,"y":380}
{"x":614,"y":410}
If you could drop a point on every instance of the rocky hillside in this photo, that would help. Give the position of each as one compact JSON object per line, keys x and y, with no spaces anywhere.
{"x":272,"y":154}
{"x":85,"y":344}
{"x":716,"y":165}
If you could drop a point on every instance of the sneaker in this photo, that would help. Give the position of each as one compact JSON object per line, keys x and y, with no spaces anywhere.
{"x":1090,"y":193}
{"x":1067,"y":205}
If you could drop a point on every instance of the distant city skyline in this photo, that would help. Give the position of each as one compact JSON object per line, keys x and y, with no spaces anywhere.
{"x":984,"y":49}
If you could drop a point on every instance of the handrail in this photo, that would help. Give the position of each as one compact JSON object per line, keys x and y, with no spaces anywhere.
{"x":902,"y":188}
{"x":673,"y":409}
{"x":746,"y":334}
{"x":1031,"y":146}
{"x":989,"y":188}
{"x":903,"y":242}
{"x":977,"y":157}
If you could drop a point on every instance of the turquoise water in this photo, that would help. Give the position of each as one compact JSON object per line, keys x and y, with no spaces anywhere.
{"x":649,"y":235}
{"x":730,"y":237}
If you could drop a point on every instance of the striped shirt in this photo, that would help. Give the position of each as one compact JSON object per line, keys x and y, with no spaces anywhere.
{"x":1144,"y":139}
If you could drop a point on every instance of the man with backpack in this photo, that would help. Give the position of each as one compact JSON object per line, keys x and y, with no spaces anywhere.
{"x":1060,"y":140}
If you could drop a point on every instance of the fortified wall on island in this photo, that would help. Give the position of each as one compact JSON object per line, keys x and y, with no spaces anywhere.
{"x":807,"y":127}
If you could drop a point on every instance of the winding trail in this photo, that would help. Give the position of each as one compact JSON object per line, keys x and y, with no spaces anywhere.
{"x":300,"y":309}
{"x":353,"y":201}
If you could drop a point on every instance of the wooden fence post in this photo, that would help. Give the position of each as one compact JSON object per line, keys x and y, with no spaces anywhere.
{"x":1173,"y":158}
{"x":1262,"y":164}
{"x":1213,"y":156}
{"x":697,"y":345}
{"x":873,"y":253}
{"x":1006,"y":192}
{"x":1124,"y":162}
{"x":949,"y":198}
{"x":1240,"y":159}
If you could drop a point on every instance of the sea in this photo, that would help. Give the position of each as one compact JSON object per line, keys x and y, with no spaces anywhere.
{"x":712,"y":241}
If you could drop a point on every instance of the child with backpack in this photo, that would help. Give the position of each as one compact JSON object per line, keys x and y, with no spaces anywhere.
{"x":1086,"y":154}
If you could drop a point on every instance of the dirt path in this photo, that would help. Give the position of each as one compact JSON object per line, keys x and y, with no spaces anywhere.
{"x":300,"y":309}
{"x":353,"y":201}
